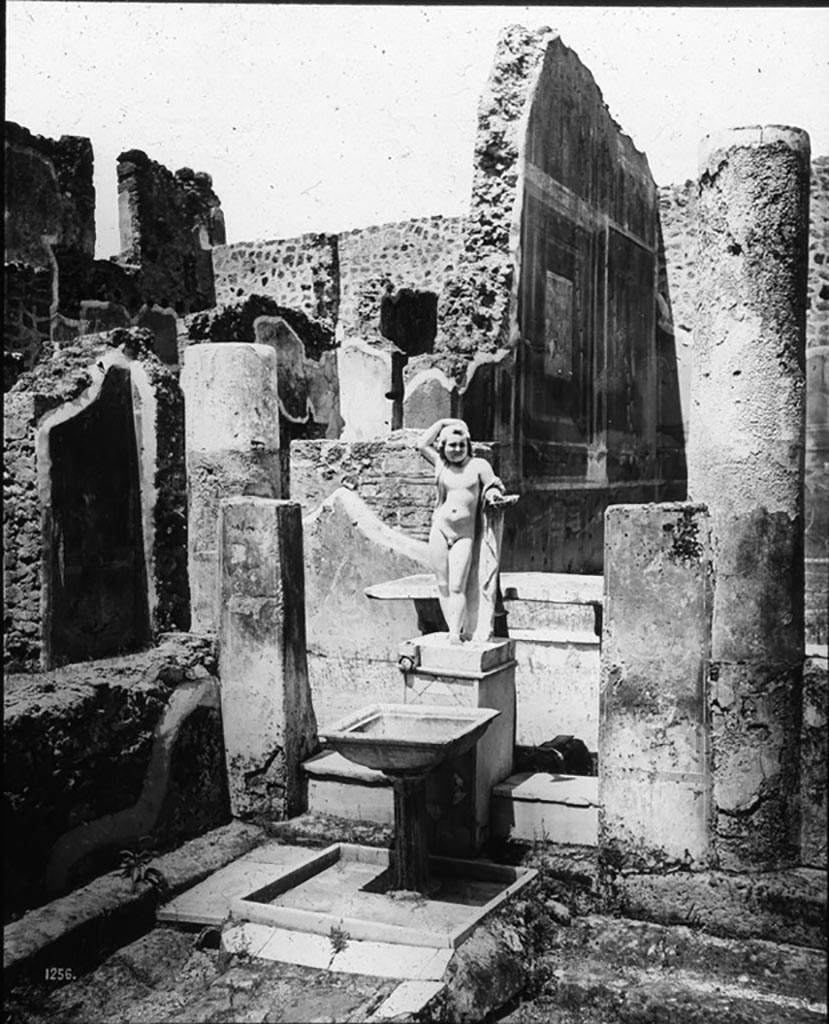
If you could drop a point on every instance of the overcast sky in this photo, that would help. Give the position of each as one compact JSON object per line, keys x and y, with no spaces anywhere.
{"x":325,"y":118}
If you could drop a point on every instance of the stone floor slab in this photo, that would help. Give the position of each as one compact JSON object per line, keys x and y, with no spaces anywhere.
{"x":210,"y":901}
{"x":305,"y":949}
{"x":410,"y":997}
{"x":392,"y":960}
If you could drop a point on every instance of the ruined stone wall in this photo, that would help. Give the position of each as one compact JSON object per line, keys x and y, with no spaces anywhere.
{"x":49,"y":192}
{"x":27,"y":318}
{"x":474,"y":310}
{"x":58,"y":383}
{"x":677,"y":271}
{"x":35,"y":394}
{"x":21,"y":537}
{"x":169,"y":555}
{"x":393,"y":479}
{"x":50,"y":247}
{"x":125,"y":753}
{"x":169,"y":224}
{"x":421,"y":254}
{"x":301,"y":273}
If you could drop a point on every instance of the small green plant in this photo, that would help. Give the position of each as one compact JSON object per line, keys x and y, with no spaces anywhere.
{"x":339,"y":939}
{"x":136,"y":865}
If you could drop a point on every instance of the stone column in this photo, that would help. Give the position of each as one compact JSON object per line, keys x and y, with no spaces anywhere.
{"x":267,"y":716}
{"x":654,"y":767}
{"x":232,"y":447}
{"x":745,"y":462}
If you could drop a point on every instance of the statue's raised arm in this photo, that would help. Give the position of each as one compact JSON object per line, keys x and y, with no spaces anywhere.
{"x":463,"y":547}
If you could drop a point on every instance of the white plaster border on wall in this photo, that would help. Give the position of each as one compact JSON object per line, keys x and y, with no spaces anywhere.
{"x":144,"y":426}
{"x":131,"y":823}
{"x":144,"y":414}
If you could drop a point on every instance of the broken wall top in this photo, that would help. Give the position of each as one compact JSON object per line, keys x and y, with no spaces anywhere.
{"x":50,"y":197}
{"x":542,"y":124}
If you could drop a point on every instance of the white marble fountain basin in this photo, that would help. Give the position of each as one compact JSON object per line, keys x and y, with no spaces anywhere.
{"x":407,"y":738}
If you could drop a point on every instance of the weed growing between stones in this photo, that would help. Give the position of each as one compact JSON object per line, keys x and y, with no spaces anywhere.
{"x":339,"y":938}
{"x":136,"y":865}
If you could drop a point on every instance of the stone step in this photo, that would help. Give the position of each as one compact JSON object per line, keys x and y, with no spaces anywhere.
{"x":561,"y":809}
{"x":529,"y":805}
{"x":602,"y":968}
{"x":338,"y":787}
{"x":774,"y":967}
{"x":682,"y":997}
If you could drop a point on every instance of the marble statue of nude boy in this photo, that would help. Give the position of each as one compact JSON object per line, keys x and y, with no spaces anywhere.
{"x":463,"y":482}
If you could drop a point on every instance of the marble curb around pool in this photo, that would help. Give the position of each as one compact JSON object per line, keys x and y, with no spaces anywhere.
{"x":273,"y":903}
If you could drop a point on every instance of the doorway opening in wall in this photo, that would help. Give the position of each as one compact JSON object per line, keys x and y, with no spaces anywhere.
{"x":409,"y":318}
{"x":99,"y":597}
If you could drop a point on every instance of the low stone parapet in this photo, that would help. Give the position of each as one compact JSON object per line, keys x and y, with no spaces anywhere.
{"x":100,"y":757}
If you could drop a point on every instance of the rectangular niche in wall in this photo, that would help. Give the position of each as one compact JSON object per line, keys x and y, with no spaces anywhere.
{"x":99,"y":600}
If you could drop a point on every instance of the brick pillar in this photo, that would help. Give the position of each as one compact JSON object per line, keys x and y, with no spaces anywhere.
{"x":231,"y":420}
{"x":745,"y":462}
{"x":654,"y":766}
{"x":267,"y":716}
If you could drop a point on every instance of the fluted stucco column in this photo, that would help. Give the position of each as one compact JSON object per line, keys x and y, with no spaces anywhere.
{"x":231,"y":415}
{"x":745,"y":462}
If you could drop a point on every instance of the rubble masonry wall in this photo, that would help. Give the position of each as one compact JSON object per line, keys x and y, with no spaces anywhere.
{"x":421,"y":254}
{"x":301,"y":273}
{"x":50,"y":385}
{"x":169,"y":223}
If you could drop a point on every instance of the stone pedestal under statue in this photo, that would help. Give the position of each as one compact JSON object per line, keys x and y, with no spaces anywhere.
{"x":478,"y":675}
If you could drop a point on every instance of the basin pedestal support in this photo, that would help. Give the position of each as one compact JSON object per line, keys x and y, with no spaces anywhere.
{"x":410,"y":870}
{"x":458,"y":791}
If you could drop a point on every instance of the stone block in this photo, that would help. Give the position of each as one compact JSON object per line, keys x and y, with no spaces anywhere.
{"x":211,"y":478}
{"x":267,"y":713}
{"x":430,"y":396}
{"x":435,"y":654}
{"x":754,"y":711}
{"x":98,"y":317}
{"x":163,"y":323}
{"x":546,"y":808}
{"x":458,"y":792}
{"x":352,"y":801}
{"x":290,"y":365}
{"x":557,"y":679}
{"x":813,"y":763}
{"x":232,"y":448}
{"x":759,"y":565}
{"x":654,"y":766}
{"x":365,"y":377}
